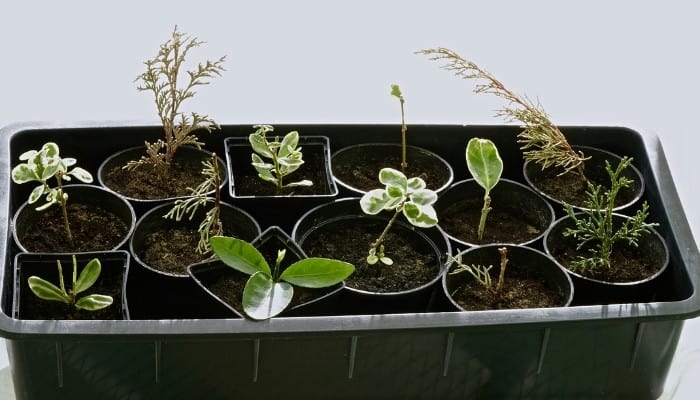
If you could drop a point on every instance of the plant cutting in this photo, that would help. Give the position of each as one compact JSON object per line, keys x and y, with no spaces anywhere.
{"x":41,"y":166}
{"x":482,"y":273}
{"x":88,"y":276}
{"x":270,"y":290}
{"x":396,"y":92}
{"x":486,"y":167}
{"x":409,"y":197}
{"x":285,"y":157}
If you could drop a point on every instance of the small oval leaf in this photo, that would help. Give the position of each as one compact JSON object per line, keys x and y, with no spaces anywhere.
{"x":484,"y":162}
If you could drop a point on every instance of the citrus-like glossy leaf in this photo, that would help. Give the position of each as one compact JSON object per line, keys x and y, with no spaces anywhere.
{"x":484,"y":162}
{"x":81,"y":174}
{"x":289,"y":144}
{"x":94,"y":302}
{"x":239,"y":255}
{"x":88,"y":276}
{"x":317,"y":272}
{"x":391,"y":177}
{"x":46,"y":290}
{"x":264,"y":298}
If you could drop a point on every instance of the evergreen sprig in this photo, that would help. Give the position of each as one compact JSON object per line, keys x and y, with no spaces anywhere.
{"x":541,"y":140}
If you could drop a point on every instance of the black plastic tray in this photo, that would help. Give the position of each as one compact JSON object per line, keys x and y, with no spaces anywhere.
{"x":611,"y":351}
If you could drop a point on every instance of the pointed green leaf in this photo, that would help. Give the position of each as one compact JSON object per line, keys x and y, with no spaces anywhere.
{"x":94,"y":302}
{"x":88,"y":276}
{"x":46,"y":290}
{"x":317,"y":272}
{"x":264,"y":298}
{"x":289,"y":144}
{"x":239,"y":255}
{"x":484,"y":162}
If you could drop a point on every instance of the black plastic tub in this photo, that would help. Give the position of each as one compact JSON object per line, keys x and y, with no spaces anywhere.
{"x":594,"y":351}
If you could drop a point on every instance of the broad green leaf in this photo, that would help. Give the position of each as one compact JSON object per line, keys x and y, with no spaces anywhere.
{"x":46,"y":290}
{"x":239,"y":255}
{"x":259,"y":145}
{"x":396,"y":91}
{"x":420,"y":216}
{"x":393,"y":178}
{"x":424,"y":197}
{"x":374,"y":201}
{"x":416,"y":183}
{"x":88,"y":276}
{"x":36,"y":194}
{"x":484,"y":163}
{"x":317,"y":272}
{"x":81,"y":174}
{"x":24,"y":173}
{"x":94,"y":302}
{"x":289,"y":144}
{"x":264,"y":298}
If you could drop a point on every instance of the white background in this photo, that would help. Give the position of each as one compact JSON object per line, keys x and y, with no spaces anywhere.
{"x":628,"y":63}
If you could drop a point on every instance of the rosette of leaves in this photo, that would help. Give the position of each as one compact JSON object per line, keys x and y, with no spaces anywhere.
{"x":284,"y":157}
{"x":486,"y":166}
{"x":407,"y":196}
{"x":269,"y":291}
{"x":46,"y":290}
{"x":41,"y":166}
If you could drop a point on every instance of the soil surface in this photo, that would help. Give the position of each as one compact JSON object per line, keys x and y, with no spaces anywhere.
{"x":92,"y":228}
{"x":171,"y":249}
{"x":461,"y":220}
{"x":415,"y":261}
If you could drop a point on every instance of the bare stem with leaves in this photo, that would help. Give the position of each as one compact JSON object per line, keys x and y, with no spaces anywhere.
{"x":541,"y":140}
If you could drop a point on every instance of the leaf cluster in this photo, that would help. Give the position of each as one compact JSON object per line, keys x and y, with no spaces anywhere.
{"x":269,"y":291}
{"x":162,"y":78}
{"x":284,"y":157}
{"x":595,"y":229}
{"x":88,"y":276}
{"x":541,"y":140}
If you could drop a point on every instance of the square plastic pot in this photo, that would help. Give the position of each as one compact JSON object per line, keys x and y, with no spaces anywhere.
{"x":594,"y":351}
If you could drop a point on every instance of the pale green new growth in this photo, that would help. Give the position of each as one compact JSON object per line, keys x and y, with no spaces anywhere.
{"x":211,"y":224}
{"x":162,"y":78}
{"x":407,"y":196}
{"x":481,"y":273}
{"x":486,"y":166}
{"x":269,"y":290}
{"x":396,"y":92}
{"x":596,"y":231}
{"x":285,"y":156}
{"x":88,"y":276}
{"x":542,"y":141}
{"x":43,"y":165}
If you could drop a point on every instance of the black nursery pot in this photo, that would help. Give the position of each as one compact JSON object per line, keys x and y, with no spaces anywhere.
{"x":527,"y":214}
{"x":94,"y":196}
{"x":597,"y":291}
{"x":349,"y":165}
{"x":191,"y":155}
{"x":524,"y":262}
{"x":214,"y":277}
{"x":328,"y":222}
{"x":250,"y":192}
{"x":112,"y":281}
{"x":594,"y":168}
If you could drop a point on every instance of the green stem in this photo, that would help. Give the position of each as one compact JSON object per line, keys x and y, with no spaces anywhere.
{"x":484,"y":213}
{"x":380,"y":239}
{"x":404,"y":162}
{"x":63,"y":203}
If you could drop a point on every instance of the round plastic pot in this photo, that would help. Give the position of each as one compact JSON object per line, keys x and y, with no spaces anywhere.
{"x":595,"y":171}
{"x":361,"y":154}
{"x":345,"y":212}
{"x":324,"y":301}
{"x":595,"y":291}
{"x":511,"y":197}
{"x":27,"y":215}
{"x":112,"y":279}
{"x":525,"y":260}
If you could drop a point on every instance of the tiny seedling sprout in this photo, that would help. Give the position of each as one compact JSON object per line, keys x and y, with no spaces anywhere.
{"x":269,"y":291}
{"x":595,"y":230}
{"x":46,"y":290}
{"x":285,"y":157}
{"x":402,"y":195}
{"x":396,"y":92}
{"x":43,"y":165}
{"x":486,"y":166}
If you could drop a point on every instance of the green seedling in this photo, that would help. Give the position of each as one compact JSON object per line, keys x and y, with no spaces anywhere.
{"x":595,"y":229}
{"x":162,"y":79}
{"x":46,"y":290}
{"x":284,"y":157}
{"x":211,"y":225}
{"x":269,"y":291}
{"x":481,"y":273}
{"x":40,"y":167}
{"x":396,"y":92}
{"x":486,"y":166}
{"x":402,"y":195}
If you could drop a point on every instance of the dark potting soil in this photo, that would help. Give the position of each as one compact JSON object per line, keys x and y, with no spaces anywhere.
{"x":461,"y":220}
{"x":519,"y":291}
{"x":415,"y":262}
{"x":364,"y":174}
{"x":146,"y":184}
{"x":171,"y":249}
{"x":92,"y":228}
